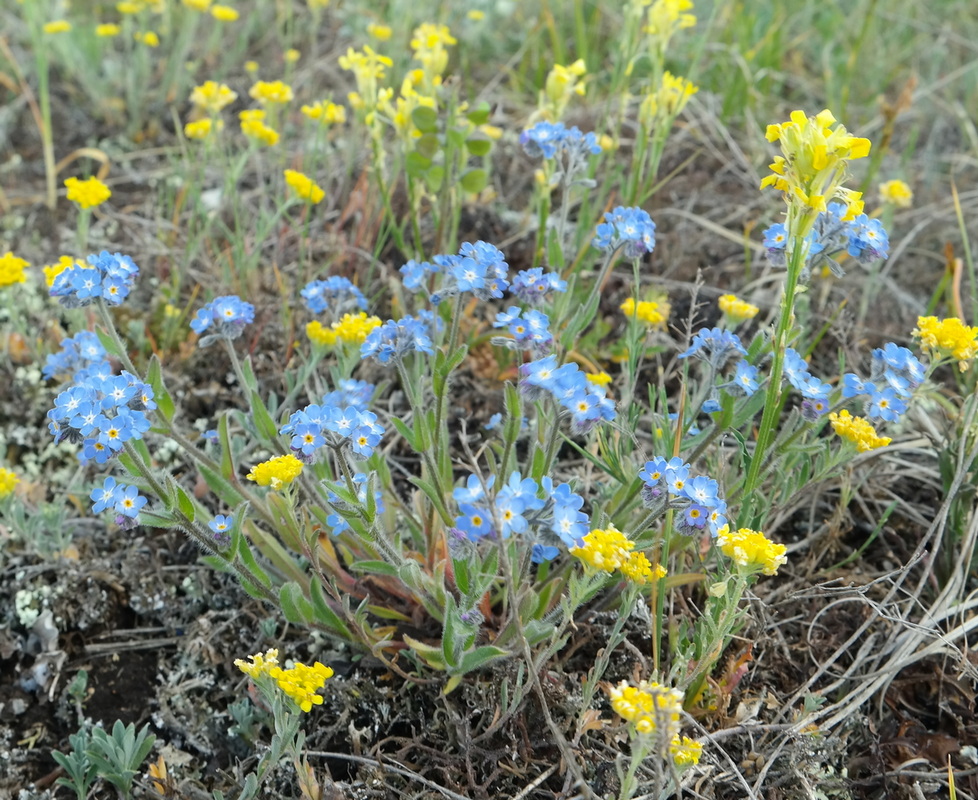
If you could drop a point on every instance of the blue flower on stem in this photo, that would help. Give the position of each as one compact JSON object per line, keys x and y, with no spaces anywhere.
{"x":630,"y":228}
{"x":228,"y":314}
{"x":335,"y":294}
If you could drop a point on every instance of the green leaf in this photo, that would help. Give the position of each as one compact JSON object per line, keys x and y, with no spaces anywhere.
{"x":478,"y":145}
{"x":264,"y":423}
{"x":108,"y":343}
{"x":251,"y":564}
{"x":474,"y":181}
{"x":184,"y":503}
{"x":432,"y":494}
{"x":434,"y":177}
{"x":248,"y":372}
{"x":429,"y":654}
{"x":227,"y":464}
{"x":555,"y":254}
{"x":154,"y":377}
{"x":416,"y":164}
{"x":220,"y":486}
{"x":375,"y":568}
{"x":456,"y":137}
{"x":425,"y":119}
{"x":478,"y":658}
{"x":451,"y":637}
{"x":325,"y":613}
{"x":296,"y":608}
{"x":480,"y":114}
{"x":405,"y":432}
{"x":427,"y":145}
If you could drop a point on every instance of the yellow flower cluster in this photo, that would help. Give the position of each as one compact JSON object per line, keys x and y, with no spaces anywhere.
{"x":276,"y":472}
{"x":253,"y":125}
{"x":212,"y":96}
{"x":351,"y":329}
{"x":87,"y":193}
{"x":610,"y":549}
{"x":858,"y":431}
{"x":325,"y":113}
{"x":667,"y":101}
{"x":301,"y":682}
{"x":135,"y":6}
{"x":149,"y":38}
{"x":947,"y":337}
{"x":8,"y":481}
{"x":198,"y":5}
{"x":224,"y":13}
{"x":668,"y":16}
{"x":202,"y":128}
{"x":12,"y":269}
{"x":598,"y":378}
{"x":814,"y":164}
{"x":651,"y":313}
{"x":896,"y":193}
{"x":735,"y":309}
{"x":368,"y":67}
{"x":107,"y":29}
{"x":752,"y":550}
{"x":271,"y":92}
{"x":562,"y":83}
{"x":379,"y":32}
{"x":650,"y":707}
{"x":429,"y":46}
{"x":685,"y":752}
{"x":304,"y":186}
{"x":57,"y":26}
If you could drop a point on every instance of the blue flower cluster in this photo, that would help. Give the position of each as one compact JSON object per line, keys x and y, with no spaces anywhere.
{"x":863,"y":238}
{"x":336,"y":521}
{"x":628,"y":228}
{"x":103,"y":412}
{"x":894,"y":374}
{"x":350,"y":392}
{"x":340,"y":428}
{"x":716,"y":347}
{"x":78,"y":352}
{"x":533,"y":285}
{"x":228,"y":314}
{"x":110,"y":276}
{"x":125,"y":500}
{"x":816,"y":393}
{"x":479,"y":268}
{"x":546,"y":139}
{"x":518,"y":508}
{"x":697,"y":499}
{"x":529,"y":329}
{"x":390,"y":342}
{"x":416,"y":274}
{"x":587,"y":403}
{"x":335,"y":294}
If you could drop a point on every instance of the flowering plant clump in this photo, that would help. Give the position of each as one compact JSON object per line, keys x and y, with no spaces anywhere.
{"x":276,"y":472}
{"x":107,"y":277}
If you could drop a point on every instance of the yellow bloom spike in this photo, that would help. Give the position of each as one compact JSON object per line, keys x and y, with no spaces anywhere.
{"x":751,"y":550}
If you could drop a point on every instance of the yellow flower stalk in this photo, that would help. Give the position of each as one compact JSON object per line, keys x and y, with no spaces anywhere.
{"x":276,"y":472}
{"x":561,"y":85}
{"x":858,"y":431}
{"x":751,"y":550}
{"x":667,"y":101}
{"x":947,"y":338}
{"x":325,"y":113}
{"x":87,"y":193}
{"x":271,"y":92}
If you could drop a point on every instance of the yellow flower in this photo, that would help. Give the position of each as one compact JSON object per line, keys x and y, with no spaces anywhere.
{"x":352,"y":328}
{"x":610,"y":549}
{"x":598,"y":378}
{"x":476,"y":16}
{"x":260,"y":664}
{"x":107,"y":29}
{"x":736,"y":310}
{"x":57,"y":26}
{"x":752,"y":550}
{"x":271,"y":92}
{"x":301,"y":683}
{"x":645,"y":311}
{"x":561,"y":84}
{"x":666,"y":17}
{"x":253,"y":125}
{"x":8,"y":480}
{"x":197,"y":5}
{"x":149,"y":38}
{"x":212,"y":96}
{"x":251,"y":66}
{"x":650,"y":707}
{"x":304,"y":186}
{"x":12,"y":269}
{"x":813,"y":165}
{"x":379,"y":32}
{"x":87,"y":193}
{"x":368,"y":68}
{"x":201,"y":128}
{"x":291,"y":55}
{"x":52,"y":271}
{"x":667,"y":101}
{"x":128,"y":8}
{"x":224,"y":13}
{"x":896,"y":193}
{"x":858,"y":431}
{"x":318,"y":3}
{"x":948,"y":338}
{"x":685,"y":752}
{"x":276,"y":472}
{"x":325,"y":113}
